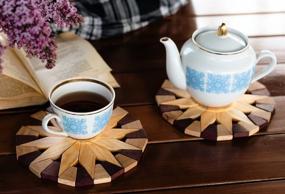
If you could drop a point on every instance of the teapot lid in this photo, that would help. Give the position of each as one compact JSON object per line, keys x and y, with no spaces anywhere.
{"x":220,"y":41}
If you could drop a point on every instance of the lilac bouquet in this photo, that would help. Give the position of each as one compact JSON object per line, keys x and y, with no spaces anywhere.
{"x":27,"y":25}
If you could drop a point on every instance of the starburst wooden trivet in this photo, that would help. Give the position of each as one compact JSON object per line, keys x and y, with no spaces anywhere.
{"x":82,"y":162}
{"x":242,"y":118}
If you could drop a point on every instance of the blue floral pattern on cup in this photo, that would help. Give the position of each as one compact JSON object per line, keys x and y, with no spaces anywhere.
{"x":75,"y":126}
{"x":101,"y":120}
{"x":218,"y":83}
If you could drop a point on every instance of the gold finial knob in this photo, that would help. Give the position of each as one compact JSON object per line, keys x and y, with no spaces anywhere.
{"x":222,"y":30}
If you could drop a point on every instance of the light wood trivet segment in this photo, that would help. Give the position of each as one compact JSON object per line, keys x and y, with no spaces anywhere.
{"x":82,"y":162}
{"x":245,"y":117}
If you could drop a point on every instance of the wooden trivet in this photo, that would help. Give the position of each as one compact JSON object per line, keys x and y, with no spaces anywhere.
{"x":82,"y":162}
{"x":243,"y":118}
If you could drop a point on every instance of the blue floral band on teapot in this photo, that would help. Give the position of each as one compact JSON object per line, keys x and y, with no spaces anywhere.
{"x":218,"y":83}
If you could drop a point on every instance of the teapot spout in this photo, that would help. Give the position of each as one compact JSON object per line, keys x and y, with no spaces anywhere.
{"x":174,"y":68}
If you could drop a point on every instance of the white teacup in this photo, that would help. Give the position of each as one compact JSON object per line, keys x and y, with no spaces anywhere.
{"x":80,"y":125}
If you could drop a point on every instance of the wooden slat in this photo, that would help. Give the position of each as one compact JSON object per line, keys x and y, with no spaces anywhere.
{"x":156,"y":127}
{"x":194,"y":129}
{"x":69,"y":158}
{"x":225,"y":120}
{"x":158,"y":130}
{"x":153,"y":57}
{"x":46,"y":142}
{"x":275,"y":80}
{"x":68,"y":177}
{"x":260,"y":187}
{"x":251,"y":25}
{"x":207,"y":118}
{"x":224,"y":7}
{"x":138,"y":61}
{"x":122,"y":60}
{"x":114,"y":144}
{"x":275,"y":44}
{"x":55,"y":151}
{"x":138,"y":142}
{"x":148,"y":83}
{"x":144,"y":89}
{"x":117,"y":115}
{"x":126,"y":162}
{"x":87,"y":159}
{"x":38,"y":167}
{"x":10,"y":124}
{"x":255,"y":159}
{"x":101,"y":176}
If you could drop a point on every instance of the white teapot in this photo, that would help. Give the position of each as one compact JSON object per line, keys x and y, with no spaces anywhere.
{"x":216,"y":66}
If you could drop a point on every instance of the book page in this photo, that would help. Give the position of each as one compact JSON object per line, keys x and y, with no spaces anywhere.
{"x":14,"y":94}
{"x":75,"y":58}
{"x":106,"y":77}
{"x":13,"y":67}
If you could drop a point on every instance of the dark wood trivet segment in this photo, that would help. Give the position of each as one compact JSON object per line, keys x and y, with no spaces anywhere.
{"x":242,"y":118}
{"x":82,"y":162}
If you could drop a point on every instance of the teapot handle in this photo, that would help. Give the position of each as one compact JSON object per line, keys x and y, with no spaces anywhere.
{"x":266,"y":70}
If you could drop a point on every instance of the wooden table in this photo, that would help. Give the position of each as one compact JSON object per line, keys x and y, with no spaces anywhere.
{"x":174,"y":162}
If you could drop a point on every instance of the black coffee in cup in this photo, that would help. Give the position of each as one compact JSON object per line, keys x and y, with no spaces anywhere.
{"x":82,"y":102}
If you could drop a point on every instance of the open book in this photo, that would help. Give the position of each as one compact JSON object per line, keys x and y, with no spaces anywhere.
{"x":25,"y":81}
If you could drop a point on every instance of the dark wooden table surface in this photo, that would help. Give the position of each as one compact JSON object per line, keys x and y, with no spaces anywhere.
{"x":174,"y":162}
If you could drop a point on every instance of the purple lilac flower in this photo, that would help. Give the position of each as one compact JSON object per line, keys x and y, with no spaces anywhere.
{"x":27,"y":25}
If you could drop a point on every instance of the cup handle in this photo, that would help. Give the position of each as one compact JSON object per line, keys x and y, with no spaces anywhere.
{"x":45,"y":122}
{"x":266,"y":70}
